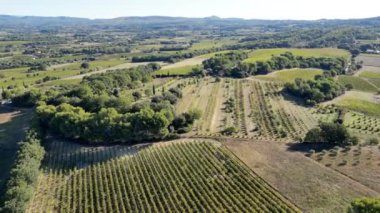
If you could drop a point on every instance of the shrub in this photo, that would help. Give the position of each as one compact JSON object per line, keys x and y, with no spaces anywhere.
{"x":373,"y":141}
{"x":229,"y":131}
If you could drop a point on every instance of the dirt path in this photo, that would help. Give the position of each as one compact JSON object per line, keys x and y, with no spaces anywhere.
{"x":216,"y":111}
{"x":310,"y":185}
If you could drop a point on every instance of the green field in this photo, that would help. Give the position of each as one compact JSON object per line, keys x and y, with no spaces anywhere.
{"x":369,"y":74}
{"x":291,"y":75}
{"x":266,"y":54}
{"x":20,"y":76}
{"x":7,"y":43}
{"x":208,"y":44}
{"x":357,"y":83}
{"x":375,"y":81}
{"x":372,"y":76}
{"x":366,"y":107}
{"x":176,"y":71}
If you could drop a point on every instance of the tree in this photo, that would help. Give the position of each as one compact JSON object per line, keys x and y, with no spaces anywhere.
{"x":365,"y":205}
{"x":332,"y":133}
{"x":85,"y":65}
{"x":183,"y":123}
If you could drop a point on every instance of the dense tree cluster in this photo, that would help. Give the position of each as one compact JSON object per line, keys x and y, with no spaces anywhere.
{"x":38,"y":67}
{"x":27,"y":99}
{"x":96,"y":112}
{"x":367,"y":205}
{"x":344,"y":37}
{"x":323,"y":88}
{"x":105,"y":126}
{"x":93,"y":50}
{"x":36,"y":64}
{"x":120,"y":79}
{"x":332,"y":133}
{"x":288,"y":60}
{"x":257,"y":43}
{"x":172,"y":58}
{"x":24,"y":174}
{"x":174,"y":48}
{"x":184,"y":122}
{"x":231,"y":64}
{"x":94,"y":92}
{"x":141,"y":122}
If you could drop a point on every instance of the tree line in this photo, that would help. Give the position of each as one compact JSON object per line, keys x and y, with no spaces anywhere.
{"x":24,"y":174}
{"x":172,"y":58}
{"x":231,"y":64}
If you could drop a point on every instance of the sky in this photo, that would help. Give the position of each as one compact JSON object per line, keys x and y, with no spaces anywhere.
{"x":249,"y":9}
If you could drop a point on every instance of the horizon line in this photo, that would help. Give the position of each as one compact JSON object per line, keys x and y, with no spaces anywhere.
{"x":187,"y":17}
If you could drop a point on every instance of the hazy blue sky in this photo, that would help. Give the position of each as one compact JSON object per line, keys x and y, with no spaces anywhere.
{"x":263,"y":9}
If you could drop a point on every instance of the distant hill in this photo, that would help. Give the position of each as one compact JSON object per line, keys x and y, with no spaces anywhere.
{"x":7,"y":21}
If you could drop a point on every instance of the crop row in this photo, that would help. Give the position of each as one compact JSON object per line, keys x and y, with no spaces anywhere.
{"x":174,"y":177}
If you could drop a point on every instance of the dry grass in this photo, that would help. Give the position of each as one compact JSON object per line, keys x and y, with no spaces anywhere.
{"x":359,"y":163}
{"x":308,"y":184}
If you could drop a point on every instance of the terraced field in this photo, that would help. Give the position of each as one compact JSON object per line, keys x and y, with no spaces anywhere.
{"x":177,"y":176}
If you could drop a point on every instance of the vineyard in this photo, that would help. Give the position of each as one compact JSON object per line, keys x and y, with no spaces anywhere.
{"x":187,"y":176}
{"x":257,"y":109}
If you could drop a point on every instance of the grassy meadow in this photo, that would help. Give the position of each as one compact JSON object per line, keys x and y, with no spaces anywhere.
{"x":357,"y":83}
{"x":266,"y":54}
{"x":290,"y":75}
